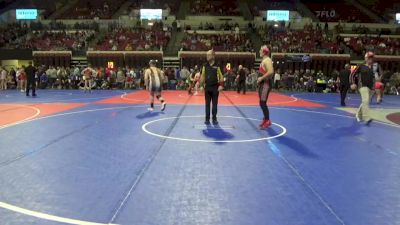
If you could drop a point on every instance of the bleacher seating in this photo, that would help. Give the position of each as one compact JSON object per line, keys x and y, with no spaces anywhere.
{"x":215,"y":8}
{"x":46,"y":41}
{"x":381,"y":46}
{"x":333,"y":11}
{"x":134,"y":40}
{"x":310,"y":41}
{"x":219,"y":42}
{"x":382,"y":8}
{"x":261,"y":5}
{"x":169,"y":5}
{"x":86,"y":9}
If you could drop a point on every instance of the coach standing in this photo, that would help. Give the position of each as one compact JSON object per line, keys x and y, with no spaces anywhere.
{"x":344,"y":80}
{"x":212,"y":78}
{"x":364,"y":76}
{"x":30,"y":74}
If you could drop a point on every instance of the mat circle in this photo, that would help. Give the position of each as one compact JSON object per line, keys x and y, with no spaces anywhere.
{"x":144,"y":128}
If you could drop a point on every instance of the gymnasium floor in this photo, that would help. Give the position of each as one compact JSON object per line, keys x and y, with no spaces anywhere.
{"x":72,"y":158}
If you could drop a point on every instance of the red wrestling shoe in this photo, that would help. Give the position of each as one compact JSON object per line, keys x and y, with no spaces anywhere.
{"x":266,"y":124}
{"x":262,"y":123}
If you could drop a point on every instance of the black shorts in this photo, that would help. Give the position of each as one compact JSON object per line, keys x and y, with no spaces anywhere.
{"x":155,"y":90}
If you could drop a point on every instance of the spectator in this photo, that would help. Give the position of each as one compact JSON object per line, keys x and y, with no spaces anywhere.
{"x":23,"y":79}
{"x":3,"y":79}
{"x":61,"y":77}
{"x":43,"y":80}
{"x":237,"y":33}
{"x":11,"y":84}
{"x":120,"y":79}
{"x":184,"y":74}
{"x":13,"y":74}
{"x":52,"y":74}
{"x":129,"y":82}
{"x":277,"y":79}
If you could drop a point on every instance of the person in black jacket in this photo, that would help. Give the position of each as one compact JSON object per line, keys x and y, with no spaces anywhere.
{"x":344,"y":83}
{"x":212,"y":78}
{"x":31,"y":79}
{"x":364,"y":75}
{"x":241,"y":80}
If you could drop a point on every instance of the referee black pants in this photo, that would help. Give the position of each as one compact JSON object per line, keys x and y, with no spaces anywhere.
{"x":211,"y":95}
{"x":241,"y":86}
{"x":343,"y":93}
{"x":31,"y":84}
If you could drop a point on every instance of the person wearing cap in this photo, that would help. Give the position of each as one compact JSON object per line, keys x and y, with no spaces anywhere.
{"x":363,"y":78}
{"x":31,"y":81}
{"x":212,"y":78}
{"x":344,"y":83}
{"x":153,"y":80}
{"x":264,"y":82}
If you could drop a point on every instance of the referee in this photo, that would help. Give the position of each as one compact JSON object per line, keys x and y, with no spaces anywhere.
{"x":30,"y":73}
{"x":344,"y":80}
{"x":212,"y":78}
{"x":241,"y":80}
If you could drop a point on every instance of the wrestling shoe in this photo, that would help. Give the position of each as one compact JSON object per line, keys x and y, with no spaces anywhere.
{"x":163,"y":105}
{"x":262,"y":123}
{"x":215,"y":122}
{"x":266,"y":124}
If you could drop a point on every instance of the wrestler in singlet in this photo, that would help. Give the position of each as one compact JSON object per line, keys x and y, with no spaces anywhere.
{"x":265,"y":86}
{"x":264,"y":82}
{"x":153,"y":81}
{"x":155,"y":84}
{"x":88,"y":74}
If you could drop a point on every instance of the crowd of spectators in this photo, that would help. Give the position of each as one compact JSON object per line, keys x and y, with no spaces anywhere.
{"x":86,"y":9}
{"x":308,"y":40}
{"x":179,"y":78}
{"x":379,"y":45}
{"x":137,"y":39}
{"x":170,"y":6}
{"x":311,"y":39}
{"x":53,"y":37}
{"x":224,"y":26}
{"x":72,"y":78}
{"x":11,"y":34}
{"x":57,"y":40}
{"x":318,"y":40}
{"x":214,"y":8}
{"x":219,"y":42}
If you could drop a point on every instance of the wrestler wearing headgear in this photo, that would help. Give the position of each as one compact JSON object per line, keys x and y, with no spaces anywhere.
{"x":264,"y":82}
